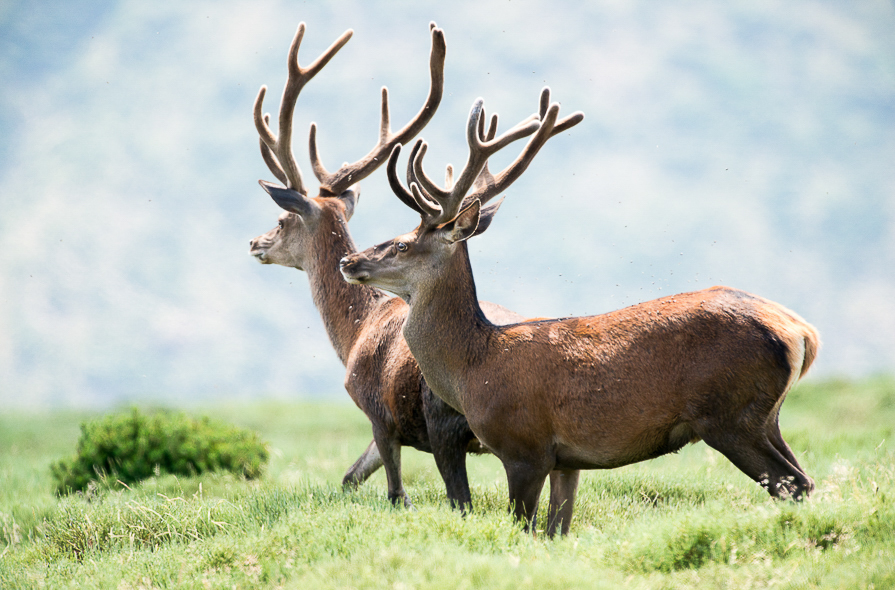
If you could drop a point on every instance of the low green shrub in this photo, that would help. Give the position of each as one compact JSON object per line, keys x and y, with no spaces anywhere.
{"x":133,"y":446}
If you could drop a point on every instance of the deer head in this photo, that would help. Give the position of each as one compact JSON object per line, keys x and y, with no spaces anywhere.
{"x":455,"y":213}
{"x":296,"y":241}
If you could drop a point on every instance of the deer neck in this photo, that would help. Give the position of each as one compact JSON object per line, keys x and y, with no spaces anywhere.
{"x":446,"y":329}
{"x":343,"y":307}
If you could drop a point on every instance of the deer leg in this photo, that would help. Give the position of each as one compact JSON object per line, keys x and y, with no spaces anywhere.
{"x":450,"y":457}
{"x":776,"y":439}
{"x":363,"y":468}
{"x":759,"y":459}
{"x":525,"y":482}
{"x":449,"y":437}
{"x":390,"y":451}
{"x":563,"y":486}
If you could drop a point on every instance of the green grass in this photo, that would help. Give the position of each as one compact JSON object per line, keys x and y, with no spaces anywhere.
{"x":689,"y":520}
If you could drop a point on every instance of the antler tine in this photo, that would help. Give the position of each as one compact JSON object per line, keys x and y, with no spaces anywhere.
{"x":430,"y":210}
{"x":488,"y":188}
{"x":392,"y":172}
{"x":567,"y":123}
{"x":262,"y":122}
{"x":492,"y":128}
{"x":385,"y":118}
{"x":562,"y":124}
{"x":316,"y":164}
{"x":433,"y":191}
{"x":544,"y":102}
{"x":479,"y":151}
{"x":411,"y":177}
{"x":485,"y":176}
{"x":413,"y":198}
{"x":281,"y":146}
{"x":270,"y":159}
{"x":347,"y":175}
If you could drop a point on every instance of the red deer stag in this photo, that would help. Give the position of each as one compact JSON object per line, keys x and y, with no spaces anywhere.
{"x":363,"y":324}
{"x":556,"y":396}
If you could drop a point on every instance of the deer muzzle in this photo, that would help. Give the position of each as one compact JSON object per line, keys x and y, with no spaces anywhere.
{"x":352,"y":271}
{"x":258,"y":249}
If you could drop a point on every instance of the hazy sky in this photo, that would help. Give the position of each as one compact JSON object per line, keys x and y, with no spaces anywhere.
{"x":749,"y":144}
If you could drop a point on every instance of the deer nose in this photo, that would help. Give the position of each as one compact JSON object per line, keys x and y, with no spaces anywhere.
{"x":252,"y":243}
{"x":344,"y":262}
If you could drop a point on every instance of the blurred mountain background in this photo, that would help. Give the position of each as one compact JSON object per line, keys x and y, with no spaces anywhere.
{"x":750,"y":144}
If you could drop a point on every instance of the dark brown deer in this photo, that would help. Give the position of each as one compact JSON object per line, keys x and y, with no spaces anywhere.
{"x":556,"y":396}
{"x":363,"y":324}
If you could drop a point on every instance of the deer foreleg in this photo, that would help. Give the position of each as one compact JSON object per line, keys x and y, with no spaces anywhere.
{"x":450,"y":457}
{"x":563,"y":486}
{"x":390,"y":452}
{"x":449,"y":437}
{"x":525,"y":482}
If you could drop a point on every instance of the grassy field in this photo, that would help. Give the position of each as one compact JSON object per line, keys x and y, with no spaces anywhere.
{"x":689,"y":520}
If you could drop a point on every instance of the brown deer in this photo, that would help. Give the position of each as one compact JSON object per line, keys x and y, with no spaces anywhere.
{"x":556,"y":396}
{"x":363,"y":324}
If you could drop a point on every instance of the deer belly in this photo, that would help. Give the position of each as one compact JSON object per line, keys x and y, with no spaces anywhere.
{"x":607,"y":449}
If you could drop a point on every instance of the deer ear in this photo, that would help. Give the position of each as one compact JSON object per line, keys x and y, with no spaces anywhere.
{"x":464,"y":225}
{"x":289,"y":199}
{"x":486,"y":216}
{"x":349,"y":198}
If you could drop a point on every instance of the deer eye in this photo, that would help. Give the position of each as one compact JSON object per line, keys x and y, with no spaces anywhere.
{"x":401,"y":246}
{"x":280,"y":224}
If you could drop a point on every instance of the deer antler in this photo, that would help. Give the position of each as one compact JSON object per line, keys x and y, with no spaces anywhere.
{"x":443,"y":205}
{"x":277,"y":151}
{"x":348,"y":174}
{"x":489,"y":186}
{"x":437,"y":205}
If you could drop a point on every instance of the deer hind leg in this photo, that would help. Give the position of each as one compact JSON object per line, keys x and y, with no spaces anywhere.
{"x":563,"y":486}
{"x":755,"y":456}
{"x":390,"y":451}
{"x":363,"y":468}
{"x":525,"y":482}
{"x":776,"y":439}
